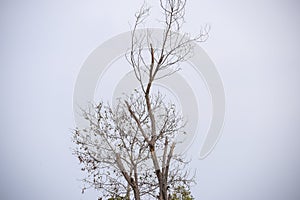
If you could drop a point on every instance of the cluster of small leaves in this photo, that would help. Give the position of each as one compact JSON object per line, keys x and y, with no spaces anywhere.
{"x":112,"y":132}
{"x":97,"y":145}
{"x":181,"y":193}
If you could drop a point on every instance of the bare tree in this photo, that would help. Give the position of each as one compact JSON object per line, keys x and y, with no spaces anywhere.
{"x":128,"y":149}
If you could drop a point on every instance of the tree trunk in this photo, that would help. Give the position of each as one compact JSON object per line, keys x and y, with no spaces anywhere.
{"x":136,"y":193}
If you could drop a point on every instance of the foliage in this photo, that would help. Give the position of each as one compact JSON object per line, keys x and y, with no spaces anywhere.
{"x":181,"y":193}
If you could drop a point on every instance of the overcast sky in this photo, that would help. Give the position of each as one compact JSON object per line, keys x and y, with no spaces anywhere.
{"x":254,"y":45}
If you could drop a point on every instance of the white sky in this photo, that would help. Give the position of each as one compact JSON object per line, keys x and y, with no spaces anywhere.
{"x":254,"y":44}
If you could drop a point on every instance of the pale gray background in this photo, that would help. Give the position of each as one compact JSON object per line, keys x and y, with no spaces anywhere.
{"x":254,"y":44}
